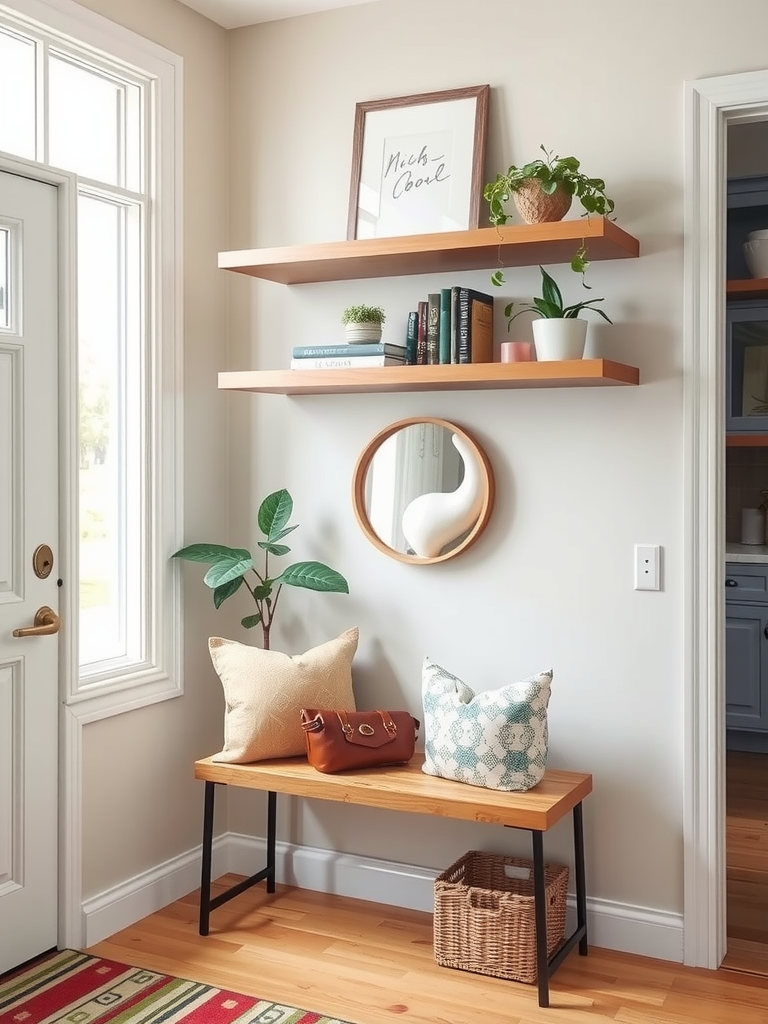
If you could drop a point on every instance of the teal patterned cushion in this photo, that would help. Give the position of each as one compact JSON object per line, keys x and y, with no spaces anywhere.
{"x":497,"y":739}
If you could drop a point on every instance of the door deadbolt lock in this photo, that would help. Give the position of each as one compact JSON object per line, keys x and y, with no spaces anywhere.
{"x":42,"y":561}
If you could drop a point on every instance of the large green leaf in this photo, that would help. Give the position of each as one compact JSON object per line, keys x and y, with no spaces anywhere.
{"x":314,"y":576}
{"x":550,"y":292}
{"x":226,"y":590}
{"x":209,"y":552}
{"x":274,"y":513}
{"x":227,"y":569}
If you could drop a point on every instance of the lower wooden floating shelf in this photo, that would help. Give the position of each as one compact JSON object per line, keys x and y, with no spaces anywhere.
{"x":572,"y":373}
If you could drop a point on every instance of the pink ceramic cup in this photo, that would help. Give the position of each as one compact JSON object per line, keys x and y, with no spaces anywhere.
{"x":516,"y":351}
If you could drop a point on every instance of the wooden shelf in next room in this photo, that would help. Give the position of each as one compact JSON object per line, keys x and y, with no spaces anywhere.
{"x":752,"y":288}
{"x":746,"y":440}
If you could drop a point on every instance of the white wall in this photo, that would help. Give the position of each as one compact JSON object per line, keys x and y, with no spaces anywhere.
{"x":582,"y":475}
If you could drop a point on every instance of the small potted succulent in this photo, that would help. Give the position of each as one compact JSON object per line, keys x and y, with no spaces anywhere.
{"x":559,"y":333}
{"x":363,"y":323}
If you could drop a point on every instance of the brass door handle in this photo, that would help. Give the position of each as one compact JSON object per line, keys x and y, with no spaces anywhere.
{"x":46,"y":622}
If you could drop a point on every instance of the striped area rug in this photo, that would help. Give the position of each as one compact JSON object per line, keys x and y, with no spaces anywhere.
{"x":74,"y":988}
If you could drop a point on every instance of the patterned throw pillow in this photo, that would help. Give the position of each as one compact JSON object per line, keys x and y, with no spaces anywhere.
{"x":497,"y":739}
{"x":266,"y":690}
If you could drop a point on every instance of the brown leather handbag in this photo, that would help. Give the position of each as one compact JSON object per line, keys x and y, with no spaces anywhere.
{"x":338,"y":741}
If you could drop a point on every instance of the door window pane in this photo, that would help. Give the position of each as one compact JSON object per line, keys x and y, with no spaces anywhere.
{"x":87,"y":122}
{"x":17,"y":95}
{"x":5,"y":284}
{"x":111,"y":434}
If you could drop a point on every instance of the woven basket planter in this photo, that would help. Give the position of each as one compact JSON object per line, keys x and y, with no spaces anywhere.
{"x":536,"y":207}
{"x":485,"y":915}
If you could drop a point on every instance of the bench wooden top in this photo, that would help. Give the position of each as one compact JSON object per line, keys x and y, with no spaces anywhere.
{"x":408,"y":788}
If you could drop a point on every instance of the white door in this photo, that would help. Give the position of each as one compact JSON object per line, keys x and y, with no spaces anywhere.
{"x":28,"y":519}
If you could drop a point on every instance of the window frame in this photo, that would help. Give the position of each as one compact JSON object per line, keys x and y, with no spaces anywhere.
{"x":65,"y":27}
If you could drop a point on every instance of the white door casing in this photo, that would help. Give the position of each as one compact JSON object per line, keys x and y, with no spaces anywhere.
{"x":29,"y":666}
{"x":711,"y":104}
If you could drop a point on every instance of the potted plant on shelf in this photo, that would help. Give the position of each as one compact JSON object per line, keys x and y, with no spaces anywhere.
{"x":543,"y":190}
{"x":229,"y":566}
{"x":559,"y":333}
{"x":363,"y":323}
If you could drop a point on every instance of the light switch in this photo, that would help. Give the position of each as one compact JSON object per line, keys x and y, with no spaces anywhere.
{"x":647,"y":559}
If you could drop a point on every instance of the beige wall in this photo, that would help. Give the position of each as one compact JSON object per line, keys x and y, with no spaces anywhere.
{"x":140,"y":803}
{"x":581,"y":475}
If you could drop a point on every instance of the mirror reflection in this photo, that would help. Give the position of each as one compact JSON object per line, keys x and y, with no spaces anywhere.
{"x":423,"y":490}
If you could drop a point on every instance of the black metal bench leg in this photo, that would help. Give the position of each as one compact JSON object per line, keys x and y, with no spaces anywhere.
{"x":540,"y":908}
{"x":271,"y":828}
{"x":581,"y":881}
{"x":205,"y":879}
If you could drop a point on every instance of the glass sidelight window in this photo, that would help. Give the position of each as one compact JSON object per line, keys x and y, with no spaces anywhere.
{"x":104,"y":109}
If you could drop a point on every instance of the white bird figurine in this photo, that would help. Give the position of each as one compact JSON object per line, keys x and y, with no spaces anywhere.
{"x":433,"y":520}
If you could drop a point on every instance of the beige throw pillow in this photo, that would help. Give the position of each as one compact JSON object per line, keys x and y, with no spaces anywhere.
{"x":266,"y":690}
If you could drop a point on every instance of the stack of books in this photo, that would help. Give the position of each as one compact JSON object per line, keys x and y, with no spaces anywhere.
{"x":347,"y":357}
{"x":454,"y":325}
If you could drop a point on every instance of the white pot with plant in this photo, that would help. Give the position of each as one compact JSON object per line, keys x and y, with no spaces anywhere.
{"x":559,"y":333}
{"x":363,"y":324}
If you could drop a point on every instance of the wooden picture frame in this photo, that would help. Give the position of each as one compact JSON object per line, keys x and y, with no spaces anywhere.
{"x":418,"y":163}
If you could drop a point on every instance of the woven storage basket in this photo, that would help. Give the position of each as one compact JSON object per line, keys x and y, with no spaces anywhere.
{"x":485,"y":920}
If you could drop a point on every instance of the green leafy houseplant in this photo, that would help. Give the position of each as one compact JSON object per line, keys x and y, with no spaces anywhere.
{"x":231,"y":567}
{"x":554,"y":181}
{"x":363,"y":315}
{"x":555,"y":173}
{"x":550,"y":304}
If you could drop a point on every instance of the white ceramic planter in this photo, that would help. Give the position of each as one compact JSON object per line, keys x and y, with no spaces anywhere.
{"x":360,"y":334}
{"x":563,"y":338}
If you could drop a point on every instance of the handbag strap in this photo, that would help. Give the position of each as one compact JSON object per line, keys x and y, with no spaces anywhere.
{"x":389,"y":726}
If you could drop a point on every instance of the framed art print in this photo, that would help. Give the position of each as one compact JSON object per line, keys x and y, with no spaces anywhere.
{"x":417,"y":163}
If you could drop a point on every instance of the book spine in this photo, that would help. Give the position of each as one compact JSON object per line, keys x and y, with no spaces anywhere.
{"x":464,"y":353}
{"x":421,"y":338}
{"x":444,"y":351}
{"x":344,"y":363}
{"x":411,"y":338}
{"x":381,"y":348}
{"x":475,"y":336}
{"x":481,"y":328}
{"x":433,"y":328}
{"x":455,"y":324}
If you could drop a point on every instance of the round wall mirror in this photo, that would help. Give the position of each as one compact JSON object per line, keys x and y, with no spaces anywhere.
{"x":423,"y":490}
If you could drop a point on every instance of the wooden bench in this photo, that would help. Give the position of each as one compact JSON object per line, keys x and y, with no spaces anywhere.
{"x":407,"y":788}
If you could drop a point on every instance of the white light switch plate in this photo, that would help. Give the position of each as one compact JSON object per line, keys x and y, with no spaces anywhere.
{"x":647,"y":559}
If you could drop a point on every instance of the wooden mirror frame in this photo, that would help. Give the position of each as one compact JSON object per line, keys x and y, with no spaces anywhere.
{"x":358,"y":490}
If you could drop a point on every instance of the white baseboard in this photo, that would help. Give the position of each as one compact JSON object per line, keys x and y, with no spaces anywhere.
{"x":639,"y":930}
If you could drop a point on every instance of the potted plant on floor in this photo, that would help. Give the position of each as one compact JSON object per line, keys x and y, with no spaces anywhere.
{"x":232,"y":568}
{"x":559,"y":333}
{"x":363,"y":323}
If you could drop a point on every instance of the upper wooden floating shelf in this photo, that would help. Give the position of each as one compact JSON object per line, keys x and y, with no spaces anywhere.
{"x":576,"y":373}
{"x":751,"y":288}
{"x":445,"y":252}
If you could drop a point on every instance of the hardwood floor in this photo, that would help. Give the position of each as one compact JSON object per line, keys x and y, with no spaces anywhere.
{"x":747,"y":861}
{"x":368,"y":964}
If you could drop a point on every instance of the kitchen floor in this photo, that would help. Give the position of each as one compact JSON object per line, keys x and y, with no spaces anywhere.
{"x":747,"y":861}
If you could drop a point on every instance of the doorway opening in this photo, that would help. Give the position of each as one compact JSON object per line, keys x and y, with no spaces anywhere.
{"x":746,"y":547}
